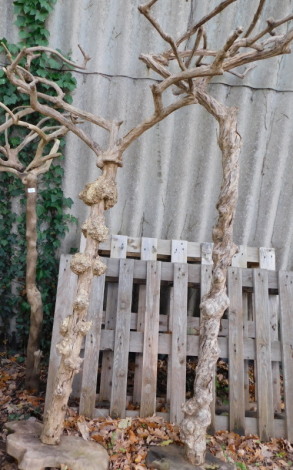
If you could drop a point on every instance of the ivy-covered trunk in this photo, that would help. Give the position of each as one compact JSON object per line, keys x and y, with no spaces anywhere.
{"x":33,"y":294}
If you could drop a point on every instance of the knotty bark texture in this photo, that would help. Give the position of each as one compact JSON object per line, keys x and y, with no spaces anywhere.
{"x":100,"y":196}
{"x":32,"y":292}
{"x":197,"y":414}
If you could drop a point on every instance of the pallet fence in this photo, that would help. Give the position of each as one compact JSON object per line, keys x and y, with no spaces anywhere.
{"x":146,"y":308}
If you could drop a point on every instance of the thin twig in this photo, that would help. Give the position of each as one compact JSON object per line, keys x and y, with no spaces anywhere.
{"x":145,"y":10}
{"x":255,"y":18}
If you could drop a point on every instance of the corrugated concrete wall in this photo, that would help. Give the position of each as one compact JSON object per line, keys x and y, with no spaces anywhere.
{"x":171,"y":177}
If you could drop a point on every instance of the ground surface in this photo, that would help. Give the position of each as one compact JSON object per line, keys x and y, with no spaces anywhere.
{"x":127,"y":440}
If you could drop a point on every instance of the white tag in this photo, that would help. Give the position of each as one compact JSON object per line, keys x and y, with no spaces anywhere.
{"x":31,"y":190}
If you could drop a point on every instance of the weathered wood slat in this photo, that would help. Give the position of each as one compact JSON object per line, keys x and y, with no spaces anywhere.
{"x":107,"y":358}
{"x":164,"y":249}
{"x":122,"y":335}
{"x":118,"y":250}
{"x":149,"y":248}
{"x":67,"y":283}
{"x":92,"y":349}
{"x":193,"y":273}
{"x":239,"y":260}
{"x":151,"y":339}
{"x":178,"y":255}
{"x":267,"y":260}
{"x":136,"y":345}
{"x":263,"y":356}
{"x":286,"y":324}
{"x":236,"y":353}
{"x":179,"y":343}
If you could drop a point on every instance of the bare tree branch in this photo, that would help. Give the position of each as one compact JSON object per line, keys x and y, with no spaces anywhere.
{"x":255,"y":18}
{"x":145,"y":10}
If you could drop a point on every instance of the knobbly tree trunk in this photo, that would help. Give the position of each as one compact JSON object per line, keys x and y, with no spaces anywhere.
{"x":197,"y":414}
{"x":33,"y":294}
{"x":100,"y":195}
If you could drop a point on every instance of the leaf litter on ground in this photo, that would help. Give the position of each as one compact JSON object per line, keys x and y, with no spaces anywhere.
{"x":127,"y":440}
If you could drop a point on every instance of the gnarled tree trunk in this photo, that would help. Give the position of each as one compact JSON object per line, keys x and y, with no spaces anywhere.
{"x":197,"y":414}
{"x":33,"y":294}
{"x":100,"y":195}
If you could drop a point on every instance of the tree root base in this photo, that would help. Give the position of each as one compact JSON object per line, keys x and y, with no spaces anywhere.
{"x":72,"y":452}
{"x":172,"y":458}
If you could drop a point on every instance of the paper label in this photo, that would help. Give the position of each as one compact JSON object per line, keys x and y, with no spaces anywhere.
{"x":31,"y":190}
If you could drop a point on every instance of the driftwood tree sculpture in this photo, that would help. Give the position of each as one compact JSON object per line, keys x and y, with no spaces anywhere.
{"x":196,"y":66}
{"x":46,"y":135}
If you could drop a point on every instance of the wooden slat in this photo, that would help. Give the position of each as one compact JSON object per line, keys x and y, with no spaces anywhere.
{"x":263,"y":356}
{"x":236,"y":353}
{"x":149,"y":249}
{"x":179,"y":343}
{"x":122,"y":334}
{"x":118,"y":250}
{"x":267,"y":260}
{"x":67,"y":283}
{"x":239,"y":260}
{"x":286,"y":324}
{"x":138,"y":358}
{"x":165,"y":250}
{"x":178,"y":255}
{"x":151,"y":339}
{"x":179,"y":251}
{"x":92,"y":349}
{"x":136,"y":345}
{"x":193,"y":273}
{"x":107,"y":358}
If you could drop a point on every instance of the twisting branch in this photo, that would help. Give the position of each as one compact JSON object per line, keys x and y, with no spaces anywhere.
{"x":145,"y":10}
{"x":195,"y":46}
{"x":255,"y":18}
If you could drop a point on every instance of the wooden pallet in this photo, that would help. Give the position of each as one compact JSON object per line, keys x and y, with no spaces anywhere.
{"x":129,"y":319}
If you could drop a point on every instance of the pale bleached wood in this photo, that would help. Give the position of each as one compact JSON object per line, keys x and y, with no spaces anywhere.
{"x":136,"y":345}
{"x":139,"y":358}
{"x":286,"y":324}
{"x":239,"y":260}
{"x":67,"y":282}
{"x":151,"y":339}
{"x":149,"y":249}
{"x":179,"y":255}
{"x":194,"y":270}
{"x":107,"y":358}
{"x":264,"y":390}
{"x":179,"y":251}
{"x":118,"y":250}
{"x":179,"y":343}
{"x":267,"y":260}
{"x":164,"y":250}
{"x":92,"y":349}
{"x":122,"y":335}
{"x":236,"y":353}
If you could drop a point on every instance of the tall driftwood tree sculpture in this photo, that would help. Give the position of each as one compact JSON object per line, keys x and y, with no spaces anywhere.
{"x":46,"y":135}
{"x":196,"y":66}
